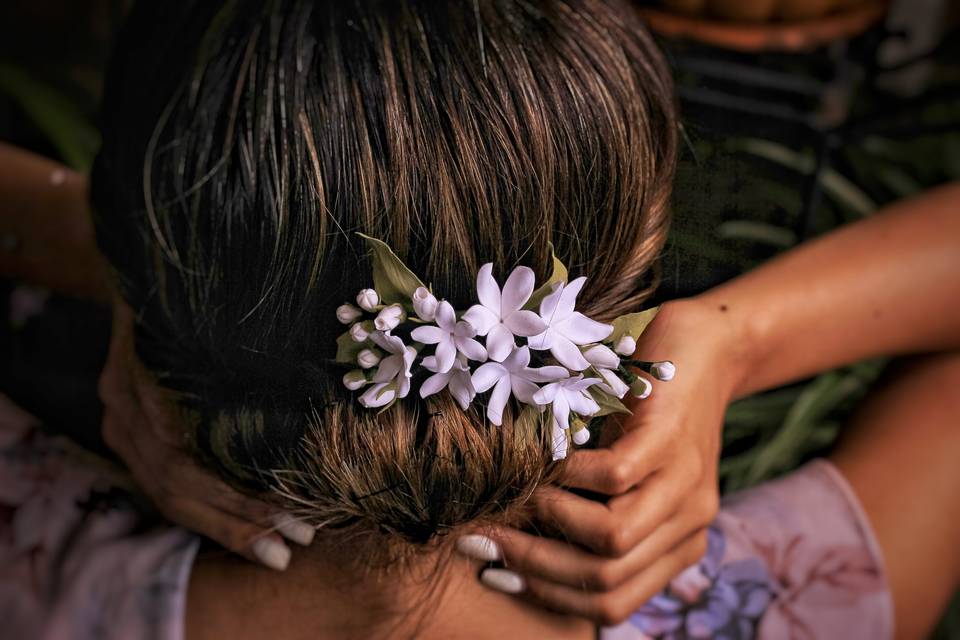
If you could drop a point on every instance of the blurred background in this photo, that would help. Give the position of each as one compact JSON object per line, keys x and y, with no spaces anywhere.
{"x":798,"y":116}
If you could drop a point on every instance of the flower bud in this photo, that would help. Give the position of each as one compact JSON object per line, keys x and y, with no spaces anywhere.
{"x":600,"y":356}
{"x":663,"y":370}
{"x":354,"y":380}
{"x":626,"y":346}
{"x":424,"y":304}
{"x":641,"y":388}
{"x":368,"y":299}
{"x":389,"y":317}
{"x":368,"y":358}
{"x":347,"y":313}
{"x":581,"y":436}
{"x":360,"y":331}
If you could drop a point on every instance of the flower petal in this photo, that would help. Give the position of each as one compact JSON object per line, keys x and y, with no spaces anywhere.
{"x":548,"y":306}
{"x":582,"y":330}
{"x":546,"y":394}
{"x":377,"y":396}
{"x":525,"y":323}
{"x":446,"y":317}
{"x":498,"y":400}
{"x":568,"y":298}
{"x":560,"y":444}
{"x":568,"y":354}
{"x":403,"y":387}
{"x":602,"y":356}
{"x":388,"y":369}
{"x":581,"y":403}
{"x":542,"y":341}
{"x":481,"y":319}
{"x":488,"y":291}
{"x":517,"y":360}
{"x":446,"y":353}
{"x":523,"y":390}
{"x":487,"y":375}
{"x":613,"y":384}
{"x":561,"y":410}
{"x":516,"y":290}
{"x":550,"y":373}
{"x":429,"y":334}
{"x":471,"y":348}
{"x":434,"y":384}
{"x":461,"y":388}
{"x":499,"y":342}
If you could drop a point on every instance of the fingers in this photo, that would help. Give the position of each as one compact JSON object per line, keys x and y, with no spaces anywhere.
{"x":613,"y":607}
{"x":563,"y":563}
{"x":621,"y":466}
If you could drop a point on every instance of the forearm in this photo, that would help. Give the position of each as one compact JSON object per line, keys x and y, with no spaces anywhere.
{"x":886,"y":285}
{"x":45,"y":226}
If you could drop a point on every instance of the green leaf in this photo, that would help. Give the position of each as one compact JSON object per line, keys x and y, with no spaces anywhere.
{"x":348,"y":349}
{"x":559,"y":275}
{"x":632,"y":324}
{"x":609,"y":404}
{"x":526,"y":424}
{"x":394,"y":282}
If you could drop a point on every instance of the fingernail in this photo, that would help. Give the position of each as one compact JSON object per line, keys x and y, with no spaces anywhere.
{"x":503,"y":580}
{"x":294,"y":530}
{"x":479,"y":547}
{"x":273,"y":554}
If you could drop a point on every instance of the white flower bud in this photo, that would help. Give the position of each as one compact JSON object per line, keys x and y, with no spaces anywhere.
{"x":389,"y":318}
{"x":626,"y":346}
{"x":641,"y":388}
{"x":360,"y":331}
{"x":368,"y":299}
{"x":581,"y":436}
{"x":368,"y":358}
{"x":347,"y":313}
{"x":425,"y":304}
{"x":600,"y":356}
{"x":663,"y":370}
{"x":354,"y":380}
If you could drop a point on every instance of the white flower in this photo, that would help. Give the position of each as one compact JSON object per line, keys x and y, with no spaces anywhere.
{"x":389,"y":317}
{"x":456,"y":379}
{"x":514,"y":374}
{"x":450,"y":336}
{"x":663,"y":370}
{"x":368,"y":299}
{"x":392,"y":377}
{"x":605,"y":361}
{"x":360,"y":331}
{"x":569,"y":394}
{"x":354,"y":380}
{"x":367,"y":358}
{"x":424,"y":304}
{"x":500,"y":315}
{"x":567,"y":328}
{"x":581,"y":436}
{"x":626,"y":346}
{"x":347,"y":313}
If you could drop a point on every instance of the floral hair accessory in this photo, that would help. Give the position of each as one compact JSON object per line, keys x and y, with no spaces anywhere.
{"x":519,"y":343}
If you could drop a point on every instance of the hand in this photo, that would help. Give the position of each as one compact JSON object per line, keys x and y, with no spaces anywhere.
{"x":140,"y":425}
{"x":659,"y":469}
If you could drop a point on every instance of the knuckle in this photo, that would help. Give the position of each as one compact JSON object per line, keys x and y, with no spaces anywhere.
{"x":609,"y":612}
{"x":618,"y":477}
{"x":613,"y":540}
{"x":605,"y":576}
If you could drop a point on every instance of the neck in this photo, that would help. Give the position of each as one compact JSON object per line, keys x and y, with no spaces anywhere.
{"x":323,"y":595}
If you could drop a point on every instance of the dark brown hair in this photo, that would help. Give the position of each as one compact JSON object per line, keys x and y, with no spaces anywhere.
{"x":246,"y":143}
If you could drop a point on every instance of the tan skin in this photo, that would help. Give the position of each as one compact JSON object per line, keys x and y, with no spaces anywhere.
{"x":887,"y":285}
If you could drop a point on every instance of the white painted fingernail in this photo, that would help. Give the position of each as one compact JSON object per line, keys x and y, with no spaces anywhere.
{"x":294,"y":530}
{"x":479,"y":547}
{"x":273,"y":554}
{"x":503,"y":580}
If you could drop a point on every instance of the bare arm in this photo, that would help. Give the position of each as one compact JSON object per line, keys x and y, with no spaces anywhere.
{"x":46,"y":233}
{"x":888,"y":285}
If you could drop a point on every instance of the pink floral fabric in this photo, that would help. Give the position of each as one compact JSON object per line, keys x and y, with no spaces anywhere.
{"x":793,"y":559}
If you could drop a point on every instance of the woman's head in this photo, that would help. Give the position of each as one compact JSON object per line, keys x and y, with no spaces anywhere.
{"x":245,"y":144}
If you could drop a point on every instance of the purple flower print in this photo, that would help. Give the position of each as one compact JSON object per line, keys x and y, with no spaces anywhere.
{"x":709,"y":599}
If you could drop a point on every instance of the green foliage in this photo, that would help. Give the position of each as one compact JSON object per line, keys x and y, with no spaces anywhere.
{"x":632,"y":324}
{"x":558,"y":275}
{"x":391,"y":278}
